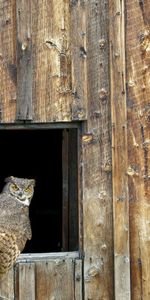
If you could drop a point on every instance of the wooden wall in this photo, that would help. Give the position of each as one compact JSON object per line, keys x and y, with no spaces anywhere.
{"x":42,"y":61}
{"x":44,"y":278}
{"x":130,"y":113}
{"x":64,"y":61}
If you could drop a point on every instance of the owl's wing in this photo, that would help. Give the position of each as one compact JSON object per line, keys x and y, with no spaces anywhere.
{"x":5,"y":207}
{"x":14,"y":216}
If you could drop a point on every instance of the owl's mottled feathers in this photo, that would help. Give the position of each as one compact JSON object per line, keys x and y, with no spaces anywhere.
{"x":15,"y":228}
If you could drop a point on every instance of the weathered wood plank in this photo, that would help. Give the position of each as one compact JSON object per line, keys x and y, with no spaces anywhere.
{"x":54,"y":88}
{"x":55,"y":280}
{"x":96,"y":142}
{"x":30,"y":257}
{"x":78,"y":280}
{"x":65,"y":195}
{"x":73,"y":190}
{"x":78,"y":61}
{"x":119,"y":150}
{"x":7,"y":61}
{"x":24,"y":60}
{"x":138,"y":74}
{"x":31,"y":126}
{"x":51,"y":61}
{"x":7,"y":286}
{"x":26,"y":281}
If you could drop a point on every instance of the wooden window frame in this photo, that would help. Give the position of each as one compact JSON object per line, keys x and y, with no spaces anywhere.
{"x":66,"y":226}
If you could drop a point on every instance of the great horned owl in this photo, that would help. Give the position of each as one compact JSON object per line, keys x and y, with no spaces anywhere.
{"x":15,"y":228}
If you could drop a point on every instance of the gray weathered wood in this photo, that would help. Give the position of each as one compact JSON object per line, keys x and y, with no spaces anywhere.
{"x":55,"y":280}
{"x":78,"y":280}
{"x":26,"y":284}
{"x":7,"y":61}
{"x":78,"y":60}
{"x":24,"y":60}
{"x":47,"y":256}
{"x":29,"y":126}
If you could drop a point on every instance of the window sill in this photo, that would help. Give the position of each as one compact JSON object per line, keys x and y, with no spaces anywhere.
{"x":28,"y":257}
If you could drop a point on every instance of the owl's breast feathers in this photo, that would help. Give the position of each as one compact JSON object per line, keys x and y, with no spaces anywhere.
{"x":15,"y":229}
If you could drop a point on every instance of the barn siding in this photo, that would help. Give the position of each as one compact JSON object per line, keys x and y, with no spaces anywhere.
{"x":138,"y":105}
{"x":24,"y":60}
{"x":96,"y":142}
{"x":119,"y":151}
{"x":59,"y":279}
{"x":40,"y":80}
{"x":8,"y":70}
{"x":75,"y":75}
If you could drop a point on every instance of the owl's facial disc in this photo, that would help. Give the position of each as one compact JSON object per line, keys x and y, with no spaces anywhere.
{"x":22,"y":195}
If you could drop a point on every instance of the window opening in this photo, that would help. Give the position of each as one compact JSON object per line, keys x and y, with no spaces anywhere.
{"x":49,"y":156}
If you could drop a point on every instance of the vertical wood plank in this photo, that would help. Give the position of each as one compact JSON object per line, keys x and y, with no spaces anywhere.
{"x":96,"y":165}
{"x":138,"y":74}
{"x":55,"y":280}
{"x":26,"y":281}
{"x":73,"y":190}
{"x":78,"y":280}
{"x":7,"y":61}
{"x":50,"y":71}
{"x":65,"y":196}
{"x":7,"y":286}
{"x":119,"y":150}
{"x":52,"y":89}
{"x":79,"y":59}
{"x":24,"y":60}
{"x":59,"y":61}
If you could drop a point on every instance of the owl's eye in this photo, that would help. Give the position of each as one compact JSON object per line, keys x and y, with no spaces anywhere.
{"x":28,"y":189}
{"x":15,"y":187}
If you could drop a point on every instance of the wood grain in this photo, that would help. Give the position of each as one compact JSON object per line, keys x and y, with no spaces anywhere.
{"x":119,"y":151}
{"x":24,"y":60}
{"x":78,"y":60}
{"x":7,"y":61}
{"x":56,"y":95}
{"x":65,"y":196}
{"x":138,"y":74}
{"x":96,"y":166}
{"x":55,"y":280}
{"x":26,"y":281}
{"x":48,"y":72}
{"x":78,"y":280}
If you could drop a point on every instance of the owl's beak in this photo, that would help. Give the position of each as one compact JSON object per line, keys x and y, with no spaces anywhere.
{"x":20,"y":194}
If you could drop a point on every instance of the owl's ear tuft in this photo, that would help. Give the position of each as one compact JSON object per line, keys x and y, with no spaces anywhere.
{"x":9,"y":179}
{"x":32,"y":181}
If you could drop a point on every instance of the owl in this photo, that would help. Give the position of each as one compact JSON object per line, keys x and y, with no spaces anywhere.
{"x":15,"y":228}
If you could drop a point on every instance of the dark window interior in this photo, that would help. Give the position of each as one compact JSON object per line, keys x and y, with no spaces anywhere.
{"x":45,"y":155}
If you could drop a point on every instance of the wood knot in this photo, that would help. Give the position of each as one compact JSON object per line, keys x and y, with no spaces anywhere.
{"x":93,"y":271}
{"x":102,"y":43}
{"x":87,"y":138}
{"x":24,"y":46}
{"x":103,"y":94}
{"x":144,"y":39}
